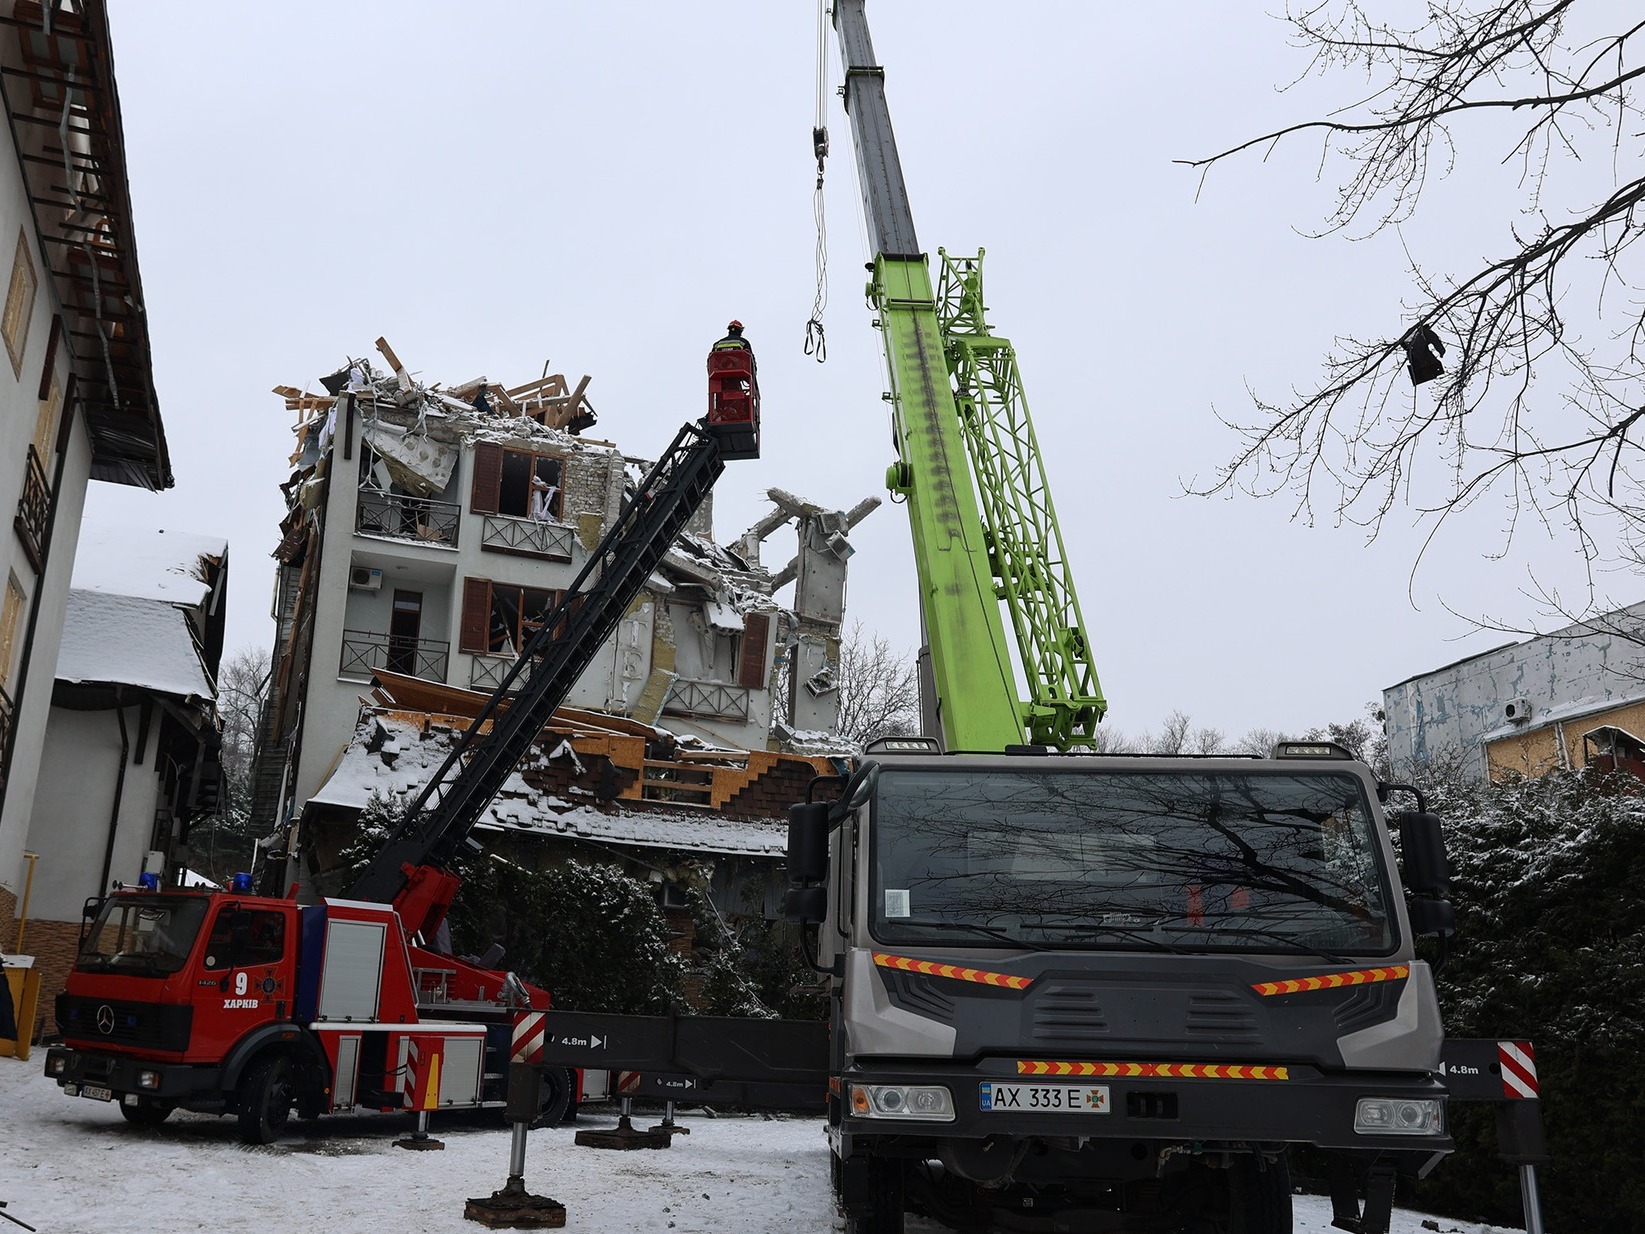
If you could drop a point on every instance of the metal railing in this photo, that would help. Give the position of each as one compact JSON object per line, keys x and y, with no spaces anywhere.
{"x":527,"y":535}
{"x":365,"y":651}
{"x":487,"y":672}
{"x":419,"y":519}
{"x":707,"y":698}
{"x":34,"y":511}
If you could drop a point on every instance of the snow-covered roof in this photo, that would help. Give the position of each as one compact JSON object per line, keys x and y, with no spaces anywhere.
{"x":392,"y":758}
{"x":130,"y":640}
{"x":152,"y":564}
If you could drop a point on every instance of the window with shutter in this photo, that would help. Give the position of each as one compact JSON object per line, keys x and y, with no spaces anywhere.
{"x":488,"y":477}
{"x":472,"y":632}
{"x":751,"y":666}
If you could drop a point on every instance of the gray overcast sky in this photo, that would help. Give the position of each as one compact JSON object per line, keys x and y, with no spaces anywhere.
{"x":493,"y":185}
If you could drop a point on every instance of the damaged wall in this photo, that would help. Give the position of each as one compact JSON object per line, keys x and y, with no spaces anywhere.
{"x":440,"y":565}
{"x":1525,"y":706}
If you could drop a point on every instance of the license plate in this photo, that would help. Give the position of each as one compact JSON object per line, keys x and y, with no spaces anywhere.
{"x":97,"y":1092}
{"x":1045,"y":1098}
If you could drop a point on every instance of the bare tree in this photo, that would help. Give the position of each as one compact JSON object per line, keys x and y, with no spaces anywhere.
{"x":224,"y":841}
{"x":1541,"y":400}
{"x":242,"y":683}
{"x":879,"y":688}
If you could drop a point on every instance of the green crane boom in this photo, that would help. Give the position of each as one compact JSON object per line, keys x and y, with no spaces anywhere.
{"x":961,"y":428}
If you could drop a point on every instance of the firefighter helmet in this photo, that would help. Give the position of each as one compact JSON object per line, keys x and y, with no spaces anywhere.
{"x":736,"y":327}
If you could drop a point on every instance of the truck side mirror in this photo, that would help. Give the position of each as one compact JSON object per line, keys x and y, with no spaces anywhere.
{"x":806,"y":902}
{"x":1427,"y":868}
{"x":1432,"y":918}
{"x":805,"y":905}
{"x":807,"y":843}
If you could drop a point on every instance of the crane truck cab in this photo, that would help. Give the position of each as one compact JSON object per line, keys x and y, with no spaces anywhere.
{"x":1081,"y":992}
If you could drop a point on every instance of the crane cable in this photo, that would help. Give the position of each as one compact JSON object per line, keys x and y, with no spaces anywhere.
{"x":815,"y":343}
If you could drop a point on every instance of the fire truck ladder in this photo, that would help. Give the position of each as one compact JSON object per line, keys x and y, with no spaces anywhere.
{"x":437,"y":827}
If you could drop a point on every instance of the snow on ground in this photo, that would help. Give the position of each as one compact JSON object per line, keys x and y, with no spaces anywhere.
{"x":73,"y":1166}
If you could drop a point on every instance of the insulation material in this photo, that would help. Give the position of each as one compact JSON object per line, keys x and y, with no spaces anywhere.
{"x":417,"y":463}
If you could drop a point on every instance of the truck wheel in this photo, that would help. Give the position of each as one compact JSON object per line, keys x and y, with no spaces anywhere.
{"x":554,"y":1097}
{"x":1261,"y":1194}
{"x":146,"y":1113}
{"x":265,"y":1100}
{"x":884,"y":1212}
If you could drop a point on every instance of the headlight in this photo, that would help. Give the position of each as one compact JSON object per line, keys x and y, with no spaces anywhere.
{"x":923,"y":1101}
{"x":148,"y":1079}
{"x":1398,"y":1116}
{"x":59,"y":1065}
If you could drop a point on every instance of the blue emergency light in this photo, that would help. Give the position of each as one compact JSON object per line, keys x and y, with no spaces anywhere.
{"x":241,"y":883}
{"x":148,"y":882}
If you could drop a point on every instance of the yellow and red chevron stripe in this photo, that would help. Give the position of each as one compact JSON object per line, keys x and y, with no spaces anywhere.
{"x":932,"y":969}
{"x":1155,"y":1071}
{"x":1330,"y":981}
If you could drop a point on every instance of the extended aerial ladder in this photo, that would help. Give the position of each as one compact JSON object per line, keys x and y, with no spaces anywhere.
{"x":985,"y":531}
{"x":412,"y":868}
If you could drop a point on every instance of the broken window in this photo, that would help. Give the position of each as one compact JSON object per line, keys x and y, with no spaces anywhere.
{"x":500,"y":618}
{"x":518,"y":483}
{"x":19,"y":303}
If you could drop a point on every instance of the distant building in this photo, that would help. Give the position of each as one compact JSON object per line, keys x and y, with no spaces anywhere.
{"x":133,"y":740}
{"x":1559,"y":700}
{"x":429,"y":531}
{"x":77,"y":399}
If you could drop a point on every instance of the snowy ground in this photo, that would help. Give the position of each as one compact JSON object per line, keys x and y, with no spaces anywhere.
{"x":72,"y":1166}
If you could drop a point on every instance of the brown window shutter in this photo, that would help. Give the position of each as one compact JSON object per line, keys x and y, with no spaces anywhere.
{"x":474,"y":633}
{"x":751,"y":669}
{"x":488,"y":477}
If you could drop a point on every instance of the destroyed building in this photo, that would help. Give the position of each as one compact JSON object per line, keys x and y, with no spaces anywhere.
{"x":429,"y":530}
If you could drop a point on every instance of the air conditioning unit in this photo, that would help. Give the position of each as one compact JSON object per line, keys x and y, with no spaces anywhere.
{"x":364,"y":578}
{"x":1517,"y":710}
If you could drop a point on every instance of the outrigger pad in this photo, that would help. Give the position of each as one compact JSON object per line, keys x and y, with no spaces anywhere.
{"x":516,"y":1210}
{"x":624,"y":1136}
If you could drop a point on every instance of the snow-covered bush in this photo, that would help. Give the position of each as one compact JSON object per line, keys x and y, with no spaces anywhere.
{"x":1549,"y":889}
{"x":588,"y":933}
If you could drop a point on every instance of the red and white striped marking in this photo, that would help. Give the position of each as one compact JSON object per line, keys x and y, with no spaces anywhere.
{"x":528,"y":1038}
{"x":628,"y":1082}
{"x":1518,"y":1060}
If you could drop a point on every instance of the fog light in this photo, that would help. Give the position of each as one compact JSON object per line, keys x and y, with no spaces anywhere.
{"x":920,"y":1101}
{"x":1397,"y":1116}
{"x":148,"y":1079}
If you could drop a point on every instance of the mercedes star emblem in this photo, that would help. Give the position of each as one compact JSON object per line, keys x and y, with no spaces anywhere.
{"x":105,"y":1019}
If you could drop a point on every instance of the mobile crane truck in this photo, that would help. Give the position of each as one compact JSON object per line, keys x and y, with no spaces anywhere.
{"x":1069,"y":991}
{"x":234,"y":1003}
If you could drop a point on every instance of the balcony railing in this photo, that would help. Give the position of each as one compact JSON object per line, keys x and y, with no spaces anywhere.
{"x":365,"y":651}
{"x":501,"y":534}
{"x":34,"y":511}
{"x":713,"y":699}
{"x":487,"y":672}
{"x":419,"y":519}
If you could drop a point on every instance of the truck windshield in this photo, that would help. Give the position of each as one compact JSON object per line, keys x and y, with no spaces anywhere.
{"x":143,"y":936}
{"x":1128,"y":860}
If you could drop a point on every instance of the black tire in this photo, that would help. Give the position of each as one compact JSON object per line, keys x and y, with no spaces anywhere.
{"x":266,"y":1098}
{"x":1261,"y":1196}
{"x":887,"y":1201}
{"x":146,"y":1113}
{"x":554,"y":1089}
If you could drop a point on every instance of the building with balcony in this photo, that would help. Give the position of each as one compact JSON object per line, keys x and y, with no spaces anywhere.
{"x":429,"y":531}
{"x":77,"y":400}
